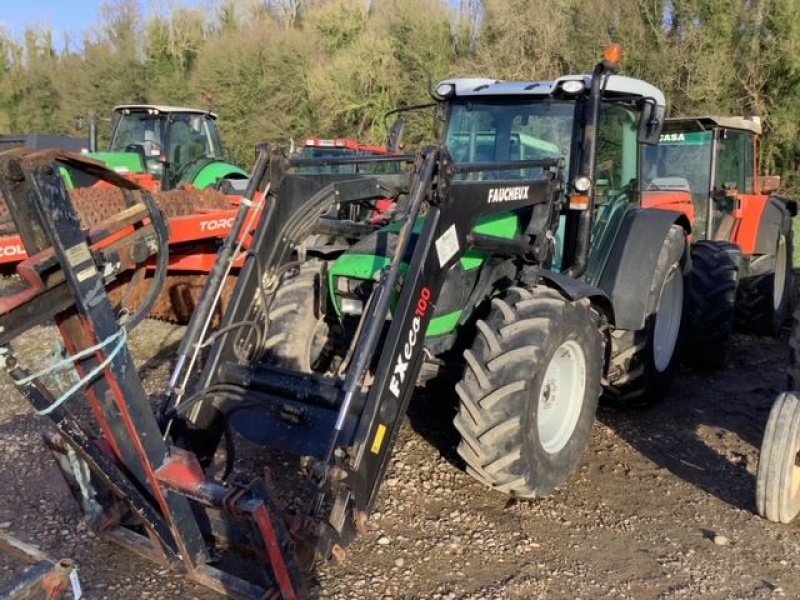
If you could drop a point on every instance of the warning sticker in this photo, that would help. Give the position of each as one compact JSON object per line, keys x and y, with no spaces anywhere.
{"x":447,"y":245}
{"x":78,"y":254}
{"x":86,"y":273}
{"x":377,"y":443}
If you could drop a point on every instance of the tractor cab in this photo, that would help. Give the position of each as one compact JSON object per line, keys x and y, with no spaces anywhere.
{"x":174,"y":146}
{"x":491,"y":126}
{"x":491,"y":121}
{"x":704,"y":166}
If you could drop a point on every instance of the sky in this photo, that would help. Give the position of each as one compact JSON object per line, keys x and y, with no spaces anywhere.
{"x":63,"y":17}
{"x":71,"y":18}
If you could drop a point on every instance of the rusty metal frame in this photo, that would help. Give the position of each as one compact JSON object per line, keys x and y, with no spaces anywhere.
{"x":135,"y":488}
{"x":47,"y":579}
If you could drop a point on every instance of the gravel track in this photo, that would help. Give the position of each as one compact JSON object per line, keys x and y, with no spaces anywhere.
{"x":662,"y":506}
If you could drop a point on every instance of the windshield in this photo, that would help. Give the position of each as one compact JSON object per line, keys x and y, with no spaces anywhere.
{"x":139,"y":130}
{"x":191,"y":138}
{"x":344,"y":152}
{"x":316,"y":152}
{"x":503,"y":131}
{"x":680,"y":162}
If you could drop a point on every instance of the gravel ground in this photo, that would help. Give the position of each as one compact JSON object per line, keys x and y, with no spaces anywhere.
{"x":662,"y":506}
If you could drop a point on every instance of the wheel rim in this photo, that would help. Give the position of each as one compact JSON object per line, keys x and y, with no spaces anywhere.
{"x":668,"y":319}
{"x":561,"y":396}
{"x":779,"y":284}
{"x":790,"y":502}
{"x":794,"y":489}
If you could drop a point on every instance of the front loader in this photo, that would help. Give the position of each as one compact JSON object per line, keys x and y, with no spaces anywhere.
{"x":504,"y":249}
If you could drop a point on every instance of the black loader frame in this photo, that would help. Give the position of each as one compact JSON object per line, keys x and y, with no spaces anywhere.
{"x":153,"y":497}
{"x":132,"y":486}
{"x":350,"y":431}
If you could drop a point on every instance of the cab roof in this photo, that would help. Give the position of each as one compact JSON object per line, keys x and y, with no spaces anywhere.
{"x":161,"y":108}
{"x":617,"y":84}
{"x":705,"y":122}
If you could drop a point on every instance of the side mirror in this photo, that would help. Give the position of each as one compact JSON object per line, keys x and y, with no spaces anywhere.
{"x":770,"y":184}
{"x":396,"y":136}
{"x":651,"y":122}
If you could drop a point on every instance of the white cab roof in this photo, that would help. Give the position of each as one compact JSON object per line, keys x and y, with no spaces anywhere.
{"x":161,"y":108}
{"x":752,"y":124}
{"x":618,"y":84}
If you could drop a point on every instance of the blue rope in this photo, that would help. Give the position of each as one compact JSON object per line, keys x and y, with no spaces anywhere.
{"x":120,"y":337}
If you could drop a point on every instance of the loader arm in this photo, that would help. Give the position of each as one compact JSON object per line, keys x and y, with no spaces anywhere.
{"x":133,"y":487}
{"x":453,"y":208}
{"x":347,"y":427}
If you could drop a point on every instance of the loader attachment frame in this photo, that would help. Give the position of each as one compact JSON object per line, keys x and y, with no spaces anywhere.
{"x":132,"y":485}
{"x":350,"y":428}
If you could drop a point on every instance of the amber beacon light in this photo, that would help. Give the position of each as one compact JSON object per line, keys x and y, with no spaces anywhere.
{"x":612,"y":56}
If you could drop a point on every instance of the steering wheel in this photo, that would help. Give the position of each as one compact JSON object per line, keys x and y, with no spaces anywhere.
{"x":138,"y":148}
{"x":187,"y":167}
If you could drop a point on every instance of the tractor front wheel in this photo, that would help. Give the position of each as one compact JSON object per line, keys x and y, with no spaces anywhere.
{"x":529,"y":392}
{"x":298,"y":335}
{"x":778,"y":478}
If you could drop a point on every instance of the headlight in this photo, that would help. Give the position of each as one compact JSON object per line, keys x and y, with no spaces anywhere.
{"x":353,"y":294}
{"x":582,"y":184}
{"x":445,"y":90}
{"x":351,"y":306}
{"x":573,"y":86}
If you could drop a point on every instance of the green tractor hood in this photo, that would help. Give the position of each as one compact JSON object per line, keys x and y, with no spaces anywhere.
{"x":365,"y":261}
{"x":122,"y":162}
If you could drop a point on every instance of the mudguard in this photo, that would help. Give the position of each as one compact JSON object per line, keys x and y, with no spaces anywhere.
{"x":210,"y":172}
{"x":775,"y":219}
{"x":576,"y":289}
{"x":627,"y":275}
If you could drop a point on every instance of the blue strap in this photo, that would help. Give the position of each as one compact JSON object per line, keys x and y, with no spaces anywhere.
{"x":120,"y":337}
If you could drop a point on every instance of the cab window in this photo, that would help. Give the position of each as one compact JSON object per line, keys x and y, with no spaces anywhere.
{"x":502,"y":132}
{"x":617,"y":151}
{"x":735,"y":163}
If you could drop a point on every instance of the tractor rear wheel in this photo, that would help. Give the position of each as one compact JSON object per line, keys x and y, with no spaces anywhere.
{"x":298,"y":335}
{"x":644,"y":361}
{"x":712,"y":300}
{"x":765,"y":295}
{"x":778,"y":477}
{"x":529,"y":392}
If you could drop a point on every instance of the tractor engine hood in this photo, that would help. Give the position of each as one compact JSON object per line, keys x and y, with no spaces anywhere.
{"x":351,"y":277}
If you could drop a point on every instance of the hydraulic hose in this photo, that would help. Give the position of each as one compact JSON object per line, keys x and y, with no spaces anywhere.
{"x":201,"y":319}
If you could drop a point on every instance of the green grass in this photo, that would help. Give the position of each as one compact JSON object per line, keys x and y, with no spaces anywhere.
{"x":796,"y":248}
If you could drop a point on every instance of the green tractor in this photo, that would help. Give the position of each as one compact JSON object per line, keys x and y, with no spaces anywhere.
{"x":165,"y":147}
{"x":519,"y":256}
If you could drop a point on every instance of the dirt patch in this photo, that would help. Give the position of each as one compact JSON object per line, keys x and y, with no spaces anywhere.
{"x":639,"y":520}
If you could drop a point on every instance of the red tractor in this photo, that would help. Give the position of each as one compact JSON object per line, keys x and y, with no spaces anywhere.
{"x":708,"y":168}
{"x":199,"y":220}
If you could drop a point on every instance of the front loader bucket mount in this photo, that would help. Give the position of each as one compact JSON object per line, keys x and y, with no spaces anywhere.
{"x":133,"y":486}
